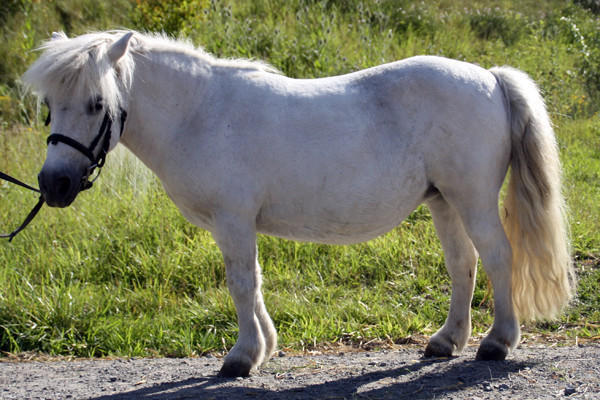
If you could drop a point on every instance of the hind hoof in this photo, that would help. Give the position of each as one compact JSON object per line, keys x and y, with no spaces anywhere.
{"x":235,"y":369}
{"x":491,"y":351}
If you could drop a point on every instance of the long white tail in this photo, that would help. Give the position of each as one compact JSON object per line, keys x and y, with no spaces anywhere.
{"x":535,"y":222}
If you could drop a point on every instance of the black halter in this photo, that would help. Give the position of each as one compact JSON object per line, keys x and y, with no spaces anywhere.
{"x":96,"y":162}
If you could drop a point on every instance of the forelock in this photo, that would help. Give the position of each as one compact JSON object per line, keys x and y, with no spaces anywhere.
{"x":78,"y":67}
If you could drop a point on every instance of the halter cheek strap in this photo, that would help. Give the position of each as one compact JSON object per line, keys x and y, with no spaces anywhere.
{"x":87,"y":151}
{"x":104,"y":134}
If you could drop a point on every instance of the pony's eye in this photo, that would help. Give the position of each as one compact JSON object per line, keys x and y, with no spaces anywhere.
{"x":48,"y":117}
{"x":95,"y":106}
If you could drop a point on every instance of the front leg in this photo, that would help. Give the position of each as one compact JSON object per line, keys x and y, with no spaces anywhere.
{"x":257,"y":338}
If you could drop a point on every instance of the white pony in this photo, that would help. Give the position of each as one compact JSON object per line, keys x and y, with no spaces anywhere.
{"x":243,"y":150}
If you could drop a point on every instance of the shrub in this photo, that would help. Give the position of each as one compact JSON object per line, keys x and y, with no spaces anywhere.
{"x":497,"y":23}
{"x":173,"y":17}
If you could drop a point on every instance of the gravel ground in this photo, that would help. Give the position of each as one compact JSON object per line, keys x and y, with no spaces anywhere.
{"x":532,"y":372}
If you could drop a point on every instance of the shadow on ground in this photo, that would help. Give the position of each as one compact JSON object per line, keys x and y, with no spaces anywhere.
{"x":422,"y":379}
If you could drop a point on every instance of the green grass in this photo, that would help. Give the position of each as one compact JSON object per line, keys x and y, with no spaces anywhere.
{"x":120,"y":272}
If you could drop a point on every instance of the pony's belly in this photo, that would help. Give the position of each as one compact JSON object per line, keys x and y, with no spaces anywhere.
{"x":341,"y":216}
{"x":306,"y":234}
{"x":329,"y":230}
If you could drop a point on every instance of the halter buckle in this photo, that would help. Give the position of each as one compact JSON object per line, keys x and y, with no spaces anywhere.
{"x":86,"y":183}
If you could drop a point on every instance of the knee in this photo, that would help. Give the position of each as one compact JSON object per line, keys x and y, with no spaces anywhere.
{"x":242,"y":288}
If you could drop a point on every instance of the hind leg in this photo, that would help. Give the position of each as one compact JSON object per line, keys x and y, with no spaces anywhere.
{"x":485,"y":229}
{"x":461,"y":262}
{"x":505,"y":333}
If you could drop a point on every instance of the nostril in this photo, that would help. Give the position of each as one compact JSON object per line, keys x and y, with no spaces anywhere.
{"x":40,"y":180}
{"x":42,"y":183}
{"x":63,"y":185}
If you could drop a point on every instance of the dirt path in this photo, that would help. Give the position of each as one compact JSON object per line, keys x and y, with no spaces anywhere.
{"x":539,"y":372}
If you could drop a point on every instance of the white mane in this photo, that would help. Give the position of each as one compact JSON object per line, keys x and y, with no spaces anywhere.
{"x":79,"y":66}
{"x":162,"y":43}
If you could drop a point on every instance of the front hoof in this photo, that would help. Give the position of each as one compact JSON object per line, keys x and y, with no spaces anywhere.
{"x":235,"y":369}
{"x":437,"y":349}
{"x":491,"y":351}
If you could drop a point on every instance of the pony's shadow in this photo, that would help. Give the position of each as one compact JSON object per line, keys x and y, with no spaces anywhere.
{"x":449,"y":379}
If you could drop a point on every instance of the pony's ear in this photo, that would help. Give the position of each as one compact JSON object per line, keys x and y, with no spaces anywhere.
{"x":119,"y":48}
{"x":59,"y":36}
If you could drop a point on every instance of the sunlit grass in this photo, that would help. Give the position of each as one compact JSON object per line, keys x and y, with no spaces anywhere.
{"x":121,"y":272}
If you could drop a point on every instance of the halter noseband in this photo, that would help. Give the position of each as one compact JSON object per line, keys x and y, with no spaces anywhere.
{"x":96,"y":161}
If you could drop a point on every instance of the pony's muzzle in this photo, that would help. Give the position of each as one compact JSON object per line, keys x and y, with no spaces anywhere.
{"x":59,"y":186}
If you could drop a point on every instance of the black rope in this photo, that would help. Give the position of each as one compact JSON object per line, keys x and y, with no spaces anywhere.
{"x":31,"y":214}
{"x":28,"y":219}
{"x":17,"y":182}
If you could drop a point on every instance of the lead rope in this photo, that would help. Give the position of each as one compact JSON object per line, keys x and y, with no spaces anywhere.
{"x":31,"y":214}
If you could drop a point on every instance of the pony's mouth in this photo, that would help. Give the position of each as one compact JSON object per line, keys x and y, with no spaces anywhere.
{"x":60,"y":186}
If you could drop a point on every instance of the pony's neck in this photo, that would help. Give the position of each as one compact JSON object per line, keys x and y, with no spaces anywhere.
{"x":165,"y":96}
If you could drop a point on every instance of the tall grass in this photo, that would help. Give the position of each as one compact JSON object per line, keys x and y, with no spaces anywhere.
{"x":121,"y":272}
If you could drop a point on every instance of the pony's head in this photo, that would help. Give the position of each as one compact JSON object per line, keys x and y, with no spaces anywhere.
{"x":84,"y":82}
